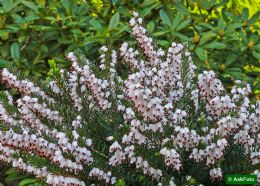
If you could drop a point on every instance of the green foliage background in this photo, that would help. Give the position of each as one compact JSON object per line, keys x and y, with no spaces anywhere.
{"x":223,"y":35}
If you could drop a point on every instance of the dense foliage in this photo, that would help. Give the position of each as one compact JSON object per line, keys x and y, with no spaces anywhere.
{"x":159,"y":123}
{"x":223,"y":35}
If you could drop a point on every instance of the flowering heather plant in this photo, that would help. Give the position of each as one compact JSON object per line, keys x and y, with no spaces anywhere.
{"x":162,"y":125}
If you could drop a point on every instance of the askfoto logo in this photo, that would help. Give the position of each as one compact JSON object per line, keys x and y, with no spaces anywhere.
{"x":236,"y":179}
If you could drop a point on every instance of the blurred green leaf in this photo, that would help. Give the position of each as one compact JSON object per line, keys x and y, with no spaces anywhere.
{"x":114,"y":21}
{"x":67,"y":4}
{"x":183,"y":25}
{"x":256,"y":54}
{"x":50,"y":18}
{"x":41,"y":27}
{"x":206,"y":37}
{"x":182,"y":9}
{"x":230,"y":59}
{"x":232,"y":27}
{"x":201,"y":53}
{"x":234,"y":72}
{"x":5,"y":51}
{"x":163,"y":43}
{"x":205,"y":4}
{"x":30,"y":5}
{"x":146,"y":10}
{"x":214,"y":44}
{"x":12,"y":175}
{"x":257,"y":47}
{"x":209,"y":26}
{"x":176,"y":21}
{"x":3,"y":63}
{"x":221,"y":24}
{"x":254,"y":18}
{"x":8,"y":5}
{"x":160,"y":33}
{"x":166,"y":20}
{"x":15,"y":50}
{"x":245,"y":13}
{"x":44,"y":49}
{"x":150,"y":26}
{"x":13,"y":28}
{"x":27,"y":182}
{"x":123,"y":11}
{"x":148,"y":2}
{"x":96,"y":24}
{"x":120,"y":182}
{"x":182,"y":36}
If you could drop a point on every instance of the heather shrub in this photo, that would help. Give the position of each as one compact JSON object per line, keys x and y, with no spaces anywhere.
{"x":158,"y":123}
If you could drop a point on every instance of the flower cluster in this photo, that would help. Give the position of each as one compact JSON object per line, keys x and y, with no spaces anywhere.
{"x":148,"y":128}
{"x":209,"y":85}
{"x":215,"y":173}
{"x":31,"y":143}
{"x":101,"y":175}
{"x":185,"y":138}
{"x":172,"y":158}
{"x":25,"y":87}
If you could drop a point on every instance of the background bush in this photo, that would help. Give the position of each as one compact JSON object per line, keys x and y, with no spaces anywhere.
{"x":223,"y":35}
